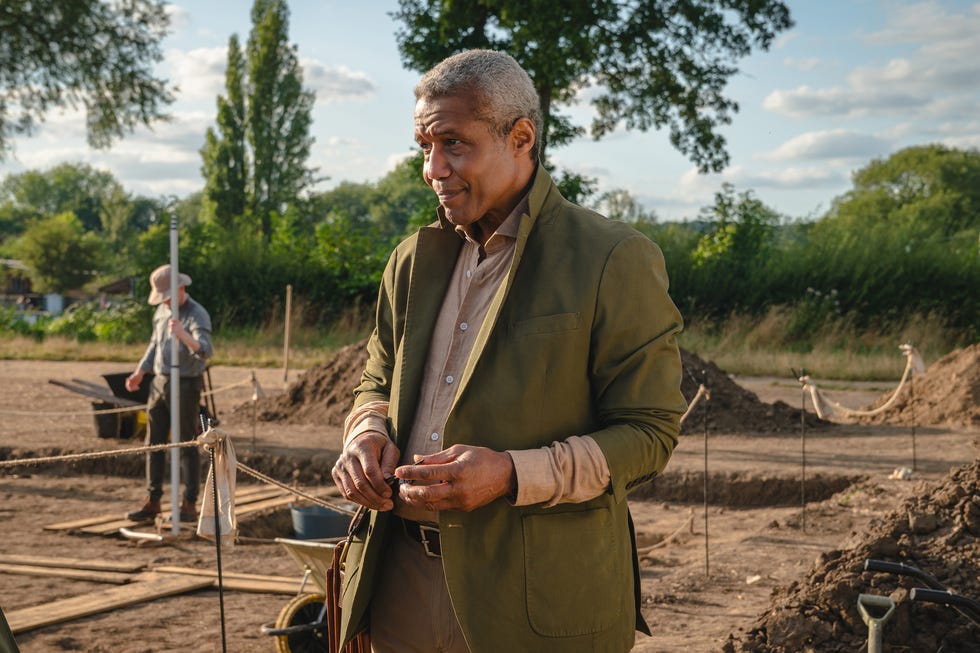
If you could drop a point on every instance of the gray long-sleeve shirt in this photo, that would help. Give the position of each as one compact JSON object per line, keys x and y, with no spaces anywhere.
{"x":197,"y":322}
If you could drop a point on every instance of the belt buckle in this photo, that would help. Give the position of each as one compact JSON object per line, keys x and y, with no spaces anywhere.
{"x":423,"y":529}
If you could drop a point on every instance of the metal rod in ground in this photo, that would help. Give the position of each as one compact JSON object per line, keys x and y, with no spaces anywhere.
{"x":217,"y":548}
{"x":912,"y":407}
{"x":704,"y":382}
{"x":175,"y":434}
{"x":803,"y":454}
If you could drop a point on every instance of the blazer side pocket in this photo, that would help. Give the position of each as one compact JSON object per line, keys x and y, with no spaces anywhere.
{"x":572,"y":570}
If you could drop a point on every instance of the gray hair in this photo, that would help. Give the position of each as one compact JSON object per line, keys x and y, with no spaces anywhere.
{"x":503,"y":90}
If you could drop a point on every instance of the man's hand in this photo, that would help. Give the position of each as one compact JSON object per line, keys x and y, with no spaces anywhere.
{"x":461,"y":477}
{"x":363,"y":468}
{"x":133,"y":380}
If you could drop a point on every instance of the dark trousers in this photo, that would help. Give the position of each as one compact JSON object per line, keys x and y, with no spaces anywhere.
{"x":158,"y":432}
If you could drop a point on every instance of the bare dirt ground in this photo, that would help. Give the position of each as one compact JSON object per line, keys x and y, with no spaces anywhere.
{"x":705,"y":573}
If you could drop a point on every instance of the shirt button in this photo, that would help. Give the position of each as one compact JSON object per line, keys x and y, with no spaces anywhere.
{"x":434,"y":437}
{"x":464,"y":326}
{"x":469,"y":274}
{"x":450,"y":378}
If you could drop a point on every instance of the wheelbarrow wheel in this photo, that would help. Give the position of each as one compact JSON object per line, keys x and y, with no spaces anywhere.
{"x":302,"y":610}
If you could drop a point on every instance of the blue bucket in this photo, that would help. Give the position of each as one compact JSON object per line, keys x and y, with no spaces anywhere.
{"x":318,"y":522}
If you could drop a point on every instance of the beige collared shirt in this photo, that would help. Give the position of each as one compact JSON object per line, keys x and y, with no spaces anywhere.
{"x":569,"y":471}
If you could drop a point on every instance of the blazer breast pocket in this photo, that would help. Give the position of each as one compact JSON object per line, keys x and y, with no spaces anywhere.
{"x":545,"y":324}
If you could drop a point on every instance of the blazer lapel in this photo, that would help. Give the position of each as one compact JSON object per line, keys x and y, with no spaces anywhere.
{"x":540,"y":191}
{"x":432,"y":267}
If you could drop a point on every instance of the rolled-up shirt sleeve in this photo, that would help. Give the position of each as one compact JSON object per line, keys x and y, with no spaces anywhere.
{"x":370,"y":417}
{"x":570,"y":471}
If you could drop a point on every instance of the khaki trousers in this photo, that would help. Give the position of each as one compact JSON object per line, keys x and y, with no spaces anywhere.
{"x":411,"y":611}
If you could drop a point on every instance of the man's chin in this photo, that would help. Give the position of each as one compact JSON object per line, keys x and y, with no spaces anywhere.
{"x":458,"y":218}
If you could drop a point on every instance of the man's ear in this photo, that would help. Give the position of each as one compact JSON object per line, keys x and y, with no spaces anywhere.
{"x":523,"y":136}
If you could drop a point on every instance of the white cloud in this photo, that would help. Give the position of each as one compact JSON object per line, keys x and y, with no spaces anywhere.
{"x":805,"y":101}
{"x":927,"y":22}
{"x":198,"y":73}
{"x":393,"y":160}
{"x":829,"y":144}
{"x":180,"y":18}
{"x":806,"y":63}
{"x":692,"y":184}
{"x":938,"y":69}
{"x":335,"y":83}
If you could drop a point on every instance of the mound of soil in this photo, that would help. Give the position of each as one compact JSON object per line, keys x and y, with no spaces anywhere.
{"x":948,"y":393}
{"x":732,"y":408}
{"x":323,"y":395}
{"x":936,"y":531}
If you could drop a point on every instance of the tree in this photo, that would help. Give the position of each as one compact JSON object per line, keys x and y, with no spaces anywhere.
{"x":94,"y":53}
{"x":927,"y":189}
{"x":619,"y":204}
{"x":731,"y":263}
{"x":255,"y":162}
{"x":225,"y":158}
{"x":654,"y":63}
{"x":742,"y":233}
{"x":59,"y":254}
{"x":75,"y":187}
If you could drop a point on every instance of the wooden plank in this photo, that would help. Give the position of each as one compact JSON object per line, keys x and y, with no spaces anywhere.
{"x":74,"y":563}
{"x":259,"y":583}
{"x":149,"y":587}
{"x":115,"y":577}
{"x":260,"y":506}
{"x":89,"y":524}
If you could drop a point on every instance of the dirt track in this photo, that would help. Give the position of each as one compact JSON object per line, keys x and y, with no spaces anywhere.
{"x":756,"y":538}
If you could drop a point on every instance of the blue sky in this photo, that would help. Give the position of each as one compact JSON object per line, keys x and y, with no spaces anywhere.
{"x":852,"y":81}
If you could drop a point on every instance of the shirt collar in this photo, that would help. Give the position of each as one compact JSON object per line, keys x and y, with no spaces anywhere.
{"x":507,"y":229}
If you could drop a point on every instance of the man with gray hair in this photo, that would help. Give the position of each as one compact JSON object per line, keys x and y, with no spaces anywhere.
{"x":523,"y":375}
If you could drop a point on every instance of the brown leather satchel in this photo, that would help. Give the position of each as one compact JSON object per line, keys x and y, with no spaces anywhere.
{"x":362,"y":641}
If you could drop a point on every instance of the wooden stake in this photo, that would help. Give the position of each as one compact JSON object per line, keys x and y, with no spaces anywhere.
{"x":285,"y":346}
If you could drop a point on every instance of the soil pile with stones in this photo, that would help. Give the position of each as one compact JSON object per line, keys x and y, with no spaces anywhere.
{"x":936,"y":531}
{"x":948,"y":393}
{"x":323,"y":395}
{"x":732,"y":408}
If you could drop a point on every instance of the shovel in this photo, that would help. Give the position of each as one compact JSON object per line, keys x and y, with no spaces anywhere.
{"x":875,"y":611}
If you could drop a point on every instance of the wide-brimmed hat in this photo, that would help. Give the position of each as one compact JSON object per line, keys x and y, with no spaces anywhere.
{"x":160,"y":284}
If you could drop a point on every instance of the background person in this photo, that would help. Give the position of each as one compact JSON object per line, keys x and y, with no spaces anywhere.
{"x":524,"y":358}
{"x":192,"y":326}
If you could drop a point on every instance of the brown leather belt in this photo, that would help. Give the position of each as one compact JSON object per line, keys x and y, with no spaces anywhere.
{"x":427,"y":536}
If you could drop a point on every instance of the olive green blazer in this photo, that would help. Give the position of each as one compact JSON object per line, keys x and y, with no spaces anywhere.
{"x":579,"y":340}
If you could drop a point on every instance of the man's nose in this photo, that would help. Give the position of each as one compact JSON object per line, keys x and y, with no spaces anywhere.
{"x":437,"y":165}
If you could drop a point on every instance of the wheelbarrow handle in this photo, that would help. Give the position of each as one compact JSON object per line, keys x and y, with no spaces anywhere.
{"x":966,"y":606}
{"x":903,"y":570}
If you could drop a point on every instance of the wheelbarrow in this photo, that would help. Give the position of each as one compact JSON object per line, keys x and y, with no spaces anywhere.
{"x":301,"y":626}
{"x":113,"y":423}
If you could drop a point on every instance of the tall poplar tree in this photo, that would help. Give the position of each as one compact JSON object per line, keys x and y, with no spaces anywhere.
{"x":225,"y":157}
{"x":255,"y":162}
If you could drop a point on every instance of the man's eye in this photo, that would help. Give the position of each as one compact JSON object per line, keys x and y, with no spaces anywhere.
{"x":453,"y":141}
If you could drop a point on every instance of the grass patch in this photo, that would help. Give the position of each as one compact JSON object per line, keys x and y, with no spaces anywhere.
{"x":837,"y":349}
{"x":741,"y":345}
